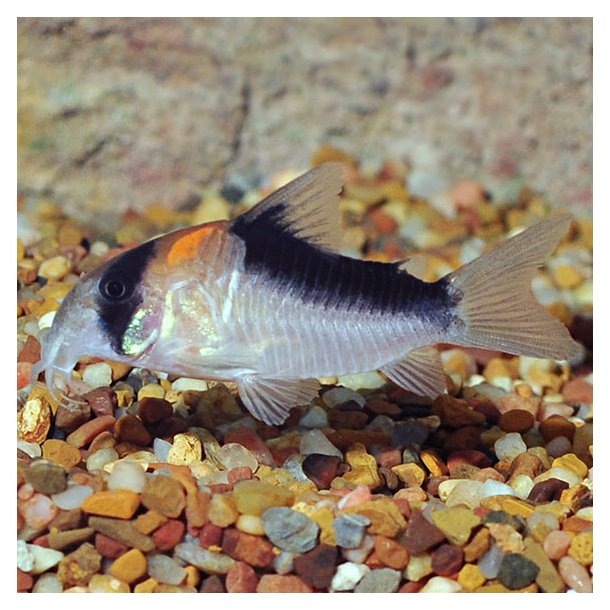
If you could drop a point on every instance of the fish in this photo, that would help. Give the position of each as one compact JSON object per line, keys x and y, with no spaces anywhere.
{"x":267,"y":301}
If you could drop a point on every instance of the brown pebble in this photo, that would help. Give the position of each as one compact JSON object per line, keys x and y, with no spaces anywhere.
{"x":70,"y":418}
{"x":122,"y":531}
{"x":354,"y":420}
{"x":30,"y":352}
{"x":103,"y":401}
{"x":254,"y":550}
{"x":168,"y":428}
{"x":277,"y":583}
{"x":61,"y":540}
{"x":130,"y":429}
{"x":528,"y":464}
{"x":317,"y":567}
{"x":421,"y":535}
{"x":153,"y":410}
{"x":391,"y":553}
{"x":164,"y":495}
{"x":212,"y":584}
{"x":321,"y":469}
{"x":455,"y":412}
{"x":169,"y":535}
{"x":78,"y":567}
{"x":547,"y":491}
{"x":517,"y":420}
{"x":104,"y":440}
{"x":555,"y":426}
{"x":241,"y":578}
{"x":447,"y":559}
{"x":84,"y":434}
{"x":66,"y":520}
{"x":478,"y":546}
{"x":465,"y":438}
{"x":210,"y":535}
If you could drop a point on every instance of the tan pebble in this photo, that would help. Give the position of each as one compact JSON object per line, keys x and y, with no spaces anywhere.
{"x":54,"y":268}
{"x":130,"y":566}
{"x":571,"y":462}
{"x":149,"y":522}
{"x":509,"y":504}
{"x":102,"y":583}
{"x":120,"y":503}
{"x":507,"y":538}
{"x":153,"y":390}
{"x":411,"y":475}
{"x":222,"y":511}
{"x":253,"y":497}
{"x":419,"y":566}
{"x":34,"y":421}
{"x":324,"y":517}
{"x":478,"y":546}
{"x":250,"y":524}
{"x":185,"y":449}
{"x":385,"y":516}
{"x":61,"y":453}
{"x":456,"y":523}
{"x":433,"y":463}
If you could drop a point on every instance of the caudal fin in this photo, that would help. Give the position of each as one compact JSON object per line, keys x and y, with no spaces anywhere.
{"x":498,"y":308}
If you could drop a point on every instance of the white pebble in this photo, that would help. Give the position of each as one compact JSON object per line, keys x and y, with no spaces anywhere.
{"x":48,"y":583}
{"x":127,"y":475}
{"x":97,"y":460}
{"x":46,"y":320}
{"x":362,"y":380}
{"x":348,"y":575}
{"x":234,"y":455}
{"x":44,"y":558}
{"x":72,"y":497}
{"x":161,"y":449}
{"x":441,"y":584}
{"x":25,"y":558}
{"x":495,"y":488}
{"x":314,"y":441}
{"x":489,"y":564}
{"x":165,"y":569}
{"x":98,"y":375}
{"x":522,"y":484}
{"x":99,"y":248}
{"x":466,"y":492}
{"x":563,"y":474}
{"x":509,"y":446}
{"x":185,"y":383}
{"x":339,"y":396}
{"x":315,"y":417}
{"x":32,"y":449}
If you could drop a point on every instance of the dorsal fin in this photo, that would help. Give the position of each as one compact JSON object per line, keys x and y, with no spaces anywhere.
{"x":306,"y":208}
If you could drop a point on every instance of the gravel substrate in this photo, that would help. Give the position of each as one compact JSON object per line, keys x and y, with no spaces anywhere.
{"x":159,"y":484}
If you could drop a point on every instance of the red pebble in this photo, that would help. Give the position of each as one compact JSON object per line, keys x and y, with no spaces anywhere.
{"x":239,"y":473}
{"x":447,"y":559}
{"x":468,"y":456}
{"x":220,"y":488}
{"x":249,"y":439}
{"x":169,"y":535}
{"x":30,"y":352}
{"x":412,"y":587}
{"x":241,"y":578}
{"x":109,"y":548}
{"x":254,"y":550}
{"x":210,"y":535}
{"x":42,"y":540}
{"x":24,"y":581}
{"x":403,"y":506}
{"x":283,"y":453}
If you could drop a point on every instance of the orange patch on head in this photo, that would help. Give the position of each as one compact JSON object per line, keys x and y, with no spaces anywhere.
{"x":187,"y":247}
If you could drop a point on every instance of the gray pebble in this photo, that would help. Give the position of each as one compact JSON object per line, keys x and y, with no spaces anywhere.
{"x":350,"y":530}
{"x":384,"y":580}
{"x":409,"y":432}
{"x":212,"y":563}
{"x":166,"y":570}
{"x":290,"y":530}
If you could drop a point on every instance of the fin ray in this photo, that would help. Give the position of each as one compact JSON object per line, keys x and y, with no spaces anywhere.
{"x":306,"y":208}
{"x":271,"y":400}
{"x":497,"y":304}
{"x":420,"y":372}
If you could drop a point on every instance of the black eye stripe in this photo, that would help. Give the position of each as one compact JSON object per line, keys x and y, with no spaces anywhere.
{"x":116,"y":312}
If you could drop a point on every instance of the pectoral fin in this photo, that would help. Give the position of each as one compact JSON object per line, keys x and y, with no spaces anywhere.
{"x":270,"y":400}
{"x":420,"y":372}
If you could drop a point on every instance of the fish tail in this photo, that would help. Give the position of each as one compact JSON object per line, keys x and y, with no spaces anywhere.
{"x":497,"y":306}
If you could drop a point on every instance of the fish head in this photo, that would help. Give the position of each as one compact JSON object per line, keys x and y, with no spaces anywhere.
{"x":109,"y":314}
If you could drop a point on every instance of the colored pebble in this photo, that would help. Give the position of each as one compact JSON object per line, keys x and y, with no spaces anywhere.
{"x":575,"y":575}
{"x":211,"y":563}
{"x":98,"y":375}
{"x":456,"y":523}
{"x":509,"y":446}
{"x":165,"y":569}
{"x":119,"y":503}
{"x":290,"y":530}
{"x":516,"y":571}
{"x":164,"y":495}
{"x":72,"y":497}
{"x":254,"y":497}
{"x":129,"y":567}
{"x":382,"y":580}
{"x":347,"y":576}
{"x":61,"y":453}
{"x":54,"y":268}
{"x":46,"y":477}
{"x":350,"y":530}
{"x":127,"y":475}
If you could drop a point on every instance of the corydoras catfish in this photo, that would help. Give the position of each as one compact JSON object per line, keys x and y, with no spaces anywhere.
{"x":267,"y":301}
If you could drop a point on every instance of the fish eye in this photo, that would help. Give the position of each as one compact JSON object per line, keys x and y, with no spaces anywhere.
{"x":115,"y":288}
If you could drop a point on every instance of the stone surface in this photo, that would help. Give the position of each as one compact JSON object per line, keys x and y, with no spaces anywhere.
{"x":516,"y":571}
{"x":421,"y":535}
{"x":456,"y":523}
{"x":46,"y":477}
{"x":164,"y":495}
{"x":317,"y":567}
{"x":253,"y":550}
{"x":290,"y":530}
{"x":120,"y":503}
{"x":278,"y":583}
{"x":382,"y":580}
{"x":129,"y":567}
{"x":78,"y":567}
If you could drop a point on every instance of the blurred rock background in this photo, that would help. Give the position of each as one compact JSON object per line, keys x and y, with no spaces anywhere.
{"x":129,"y":112}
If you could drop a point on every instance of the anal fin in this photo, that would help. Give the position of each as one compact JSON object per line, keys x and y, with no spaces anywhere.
{"x":271,"y":400}
{"x":420,"y":372}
